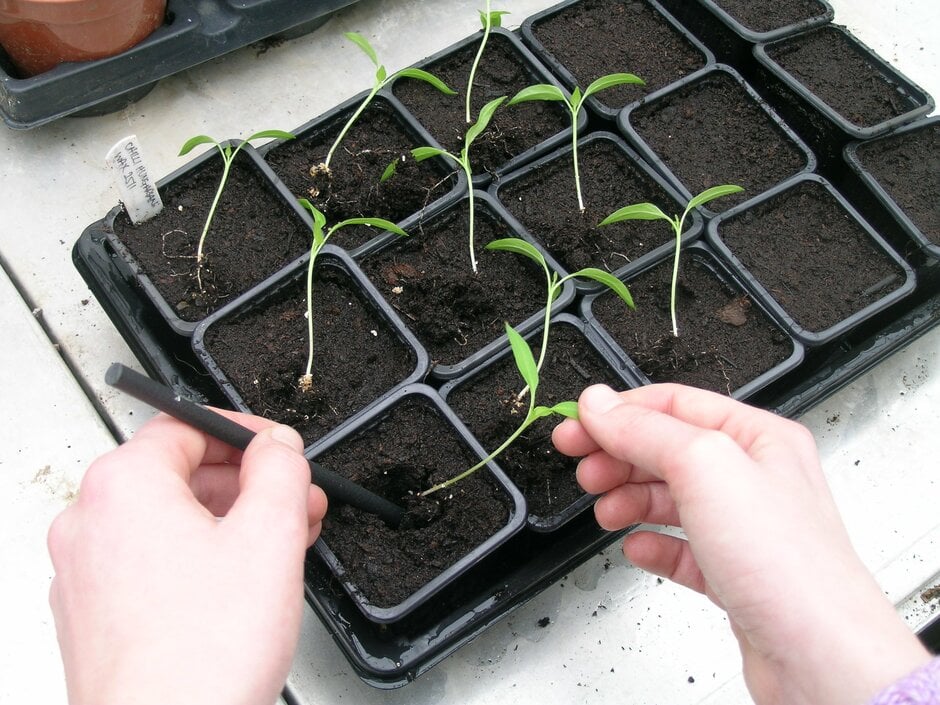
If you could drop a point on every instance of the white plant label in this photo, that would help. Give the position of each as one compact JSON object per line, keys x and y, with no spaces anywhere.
{"x":136,"y":187}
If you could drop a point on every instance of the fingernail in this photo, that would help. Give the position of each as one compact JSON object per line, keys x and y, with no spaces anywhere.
{"x":287,"y":436}
{"x":599,"y":399}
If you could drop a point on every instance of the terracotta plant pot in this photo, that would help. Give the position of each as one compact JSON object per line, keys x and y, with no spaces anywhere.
{"x":41,"y":34}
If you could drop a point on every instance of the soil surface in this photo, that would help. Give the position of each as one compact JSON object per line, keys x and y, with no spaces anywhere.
{"x":617,"y":37}
{"x":544,"y":201}
{"x":712,"y":132}
{"x":827,"y":63}
{"x":908,"y":168}
{"x":501,"y":72}
{"x":488,"y":403}
{"x":454,"y":313}
{"x":724,"y":340}
{"x":407,"y":452}
{"x":766,"y":17}
{"x":353,"y":187}
{"x":812,"y":257}
{"x":357,"y":356}
{"x":254,"y":233}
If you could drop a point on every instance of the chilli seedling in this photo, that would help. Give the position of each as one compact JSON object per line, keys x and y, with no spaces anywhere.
{"x":463,"y":160}
{"x":548,"y":92}
{"x":529,"y":368}
{"x":320,"y":236}
{"x":382,"y":79}
{"x":489,"y":19}
{"x":228,"y":157}
{"x":650,"y":211}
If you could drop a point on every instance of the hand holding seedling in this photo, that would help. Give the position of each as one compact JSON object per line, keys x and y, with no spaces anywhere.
{"x":463,"y":161}
{"x":649,"y":211}
{"x":228,"y":157}
{"x":319,"y":239}
{"x":528,"y":368}
{"x":548,"y":92}
{"x":765,"y":541}
{"x":382,"y":79}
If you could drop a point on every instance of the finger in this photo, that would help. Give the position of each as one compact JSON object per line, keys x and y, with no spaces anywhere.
{"x":652,"y":439}
{"x":666,"y":556}
{"x":191,"y":447}
{"x":600,"y":472}
{"x":274,"y":485}
{"x":646,"y":503}
{"x":216,"y":487}
{"x":571,"y":439}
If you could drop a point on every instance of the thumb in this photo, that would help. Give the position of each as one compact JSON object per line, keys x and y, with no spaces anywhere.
{"x":274,"y":483}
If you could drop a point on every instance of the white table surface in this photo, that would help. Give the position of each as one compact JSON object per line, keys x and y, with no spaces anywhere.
{"x":615,"y":634}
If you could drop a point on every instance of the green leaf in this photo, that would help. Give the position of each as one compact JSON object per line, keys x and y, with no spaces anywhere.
{"x":608,"y":280}
{"x":363,"y":44}
{"x":319,"y":219}
{"x":638,"y":211}
{"x":372,"y":222}
{"x":273,"y":134}
{"x":195,"y":142}
{"x":486,"y":114}
{"x":710,"y":194}
{"x":496,"y":18}
{"x":525,"y":362}
{"x":611,"y":80}
{"x":380,"y":75}
{"x":429,"y":78}
{"x":540,"y":91}
{"x":422,"y":153}
{"x":568,"y":409}
{"x":519,"y":247}
{"x":389,"y":171}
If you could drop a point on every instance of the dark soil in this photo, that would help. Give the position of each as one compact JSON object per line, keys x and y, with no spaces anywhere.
{"x":410,"y":450}
{"x":812,"y":257}
{"x":724,"y":340}
{"x":502,"y":72}
{"x":766,"y":17}
{"x":712,"y":132}
{"x":454,"y":313}
{"x":254,"y":234}
{"x":908,"y":168}
{"x":353,"y":189}
{"x":488,"y":403}
{"x":544,"y":201}
{"x":357,"y":356}
{"x":827,"y":63}
{"x":594,"y":38}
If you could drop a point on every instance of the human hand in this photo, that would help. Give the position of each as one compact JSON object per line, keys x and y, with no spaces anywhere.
{"x":157,"y":601}
{"x":765,"y":540}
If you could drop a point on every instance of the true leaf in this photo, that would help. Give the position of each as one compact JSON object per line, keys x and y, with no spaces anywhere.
{"x":496,"y":18}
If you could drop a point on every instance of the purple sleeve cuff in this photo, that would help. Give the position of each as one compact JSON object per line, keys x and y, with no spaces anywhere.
{"x":922,"y":687}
